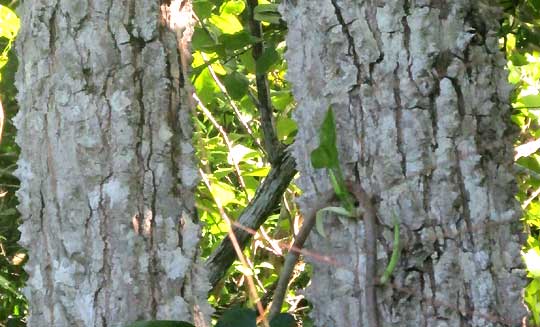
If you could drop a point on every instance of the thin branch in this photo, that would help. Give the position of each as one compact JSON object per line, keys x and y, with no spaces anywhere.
{"x":228,"y":142}
{"x":526,"y":149}
{"x":292,"y":256}
{"x":254,"y":215}
{"x":271,"y":143}
{"x":232,"y":103}
{"x":251,"y":284}
{"x":530,"y":199}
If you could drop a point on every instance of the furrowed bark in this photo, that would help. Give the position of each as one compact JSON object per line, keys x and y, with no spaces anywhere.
{"x":421,"y":101}
{"x":107,"y":167}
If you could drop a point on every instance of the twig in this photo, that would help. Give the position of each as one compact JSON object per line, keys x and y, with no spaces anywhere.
{"x":251,"y":284}
{"x":231,"y":102}
{"x":530,"y":199}
{"x":228,"y":142}
{"x":254,"y":215}
{"x":292,"y":256}
{"x":526,"y":149}
{"x":271,"y":143}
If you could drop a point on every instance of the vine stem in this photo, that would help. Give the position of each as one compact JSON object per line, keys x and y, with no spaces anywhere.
{"x":294,"y":254}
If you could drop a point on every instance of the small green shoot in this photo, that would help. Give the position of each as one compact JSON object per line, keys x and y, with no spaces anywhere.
{"x":396,"y":251}
{"x":326,"y":156}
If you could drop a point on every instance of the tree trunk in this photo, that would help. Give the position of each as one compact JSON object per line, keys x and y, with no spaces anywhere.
{"x":420,"y":97}
{"x":107,"y":167}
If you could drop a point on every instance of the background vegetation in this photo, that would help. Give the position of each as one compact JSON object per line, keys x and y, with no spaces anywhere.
{"x":231,"y":61}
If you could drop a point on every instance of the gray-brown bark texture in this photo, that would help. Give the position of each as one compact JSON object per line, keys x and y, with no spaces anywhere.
{"x":107,"y":168}
{"x":420,"y":97}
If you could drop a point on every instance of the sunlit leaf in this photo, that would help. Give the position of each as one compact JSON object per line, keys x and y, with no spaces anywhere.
{"x":9,"y":23}
{"x":227,"y":23}
{"x":206,"y":86}
{"x":285,"y":126}
{"x":532,"y":261}
{"x":532,"y":101}
{"x":244,"y":270}
{"x":259,"y":172}
{"x":234,"y":7}
{"x":238,"y":153}
{"x":223,"y":193}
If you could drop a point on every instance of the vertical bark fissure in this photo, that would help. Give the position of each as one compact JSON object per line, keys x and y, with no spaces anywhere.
{"x":111,"y":195}
{"x":48,"y":265}
{"x":370,"y":16}
{"x":398,"y":113}
{"x":429,"y":156}
{"x":106,"y":264}
{"x":459,"y":157}
{"x":350,"y":40}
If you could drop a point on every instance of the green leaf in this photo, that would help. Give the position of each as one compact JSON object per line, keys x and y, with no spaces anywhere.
{"x":6,"y":285}
{"x":285,"y":126}
{"x":267,"y":13}
{"x":237,"y":40}
{"x":238,"y":153}
{"x":236,"y":84}
{"x":530,"y":101}
{"x":247,"y":60}
{"x":206,"y":87}
{"x":532,"y":261}
{"x":283,"y":320}
{"x":203,"y":8}
{"x":234,"y":7}
{"x":224,"y":193}
{"x":282,"y":99}
{"x":518,"y":59}
{"x":239,"y":317}
{"x":202,"y":41}
{"x":227,"y":23}
{"x":269,"y":58}
{"x":9,"y":23}
{"x":326,"y":155}
{"x":258,"y":172}
{"x":161,"y":323}
{"x":531,"y":162}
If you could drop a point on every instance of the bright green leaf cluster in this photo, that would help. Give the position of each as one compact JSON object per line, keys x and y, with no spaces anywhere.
{"x":9,"y":26}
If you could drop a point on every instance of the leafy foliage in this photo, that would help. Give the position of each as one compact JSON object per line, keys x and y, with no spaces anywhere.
{"x":521,"y":42}
{"x":12,"y":257}
{"x":228,"y":133}
{"x":228,"y":140}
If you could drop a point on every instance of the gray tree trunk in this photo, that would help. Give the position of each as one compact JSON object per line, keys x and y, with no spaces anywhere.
{"x":420,"y":97}
{"x":107,"y":167}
